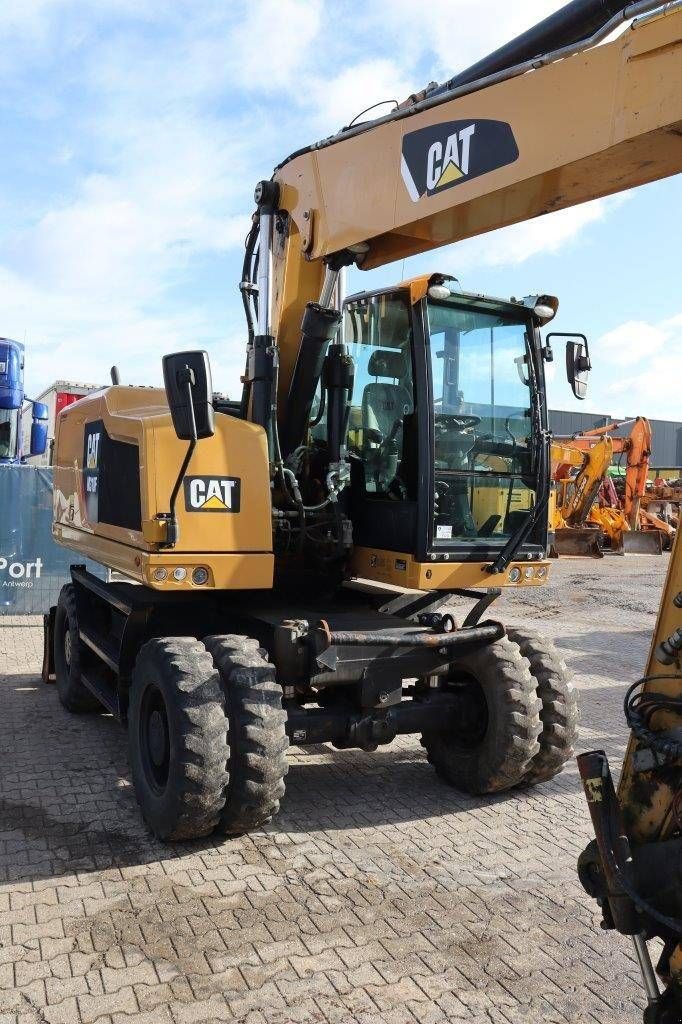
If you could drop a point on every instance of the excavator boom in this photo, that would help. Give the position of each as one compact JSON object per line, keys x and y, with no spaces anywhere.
{"x":580,"y":127}
{"x":556,"y":129}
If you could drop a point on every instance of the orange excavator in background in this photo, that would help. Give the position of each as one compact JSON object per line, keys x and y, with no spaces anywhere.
{"x":628,"y":528}
{"x":577,"y":476}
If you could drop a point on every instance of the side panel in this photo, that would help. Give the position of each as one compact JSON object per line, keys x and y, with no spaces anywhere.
{"x":107,"y":507}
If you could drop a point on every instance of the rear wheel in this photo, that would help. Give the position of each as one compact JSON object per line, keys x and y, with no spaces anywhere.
{"x":177,"y":731}
{"x":68,"y":654}
{"x":560,"y":714}
{"x":257,"y":734}
{"x":495,"y":738}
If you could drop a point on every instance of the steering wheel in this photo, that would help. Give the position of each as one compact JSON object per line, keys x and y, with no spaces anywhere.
{"x":448,"y":420}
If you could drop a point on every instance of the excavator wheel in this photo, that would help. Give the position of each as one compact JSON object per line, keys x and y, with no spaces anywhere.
{"x":177,"y":732}
{"x":560,"y":712}
{"x":257,"y":738}
{"x":496,"y":738}
{"x":68,"y":652}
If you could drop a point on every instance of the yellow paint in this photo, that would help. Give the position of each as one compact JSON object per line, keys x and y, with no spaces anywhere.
{"x":396,"y":568}
{"x":450,"y":174}
{"x":645,"y":822}
{"x":214,"y":503}
{"x":237,"y":546}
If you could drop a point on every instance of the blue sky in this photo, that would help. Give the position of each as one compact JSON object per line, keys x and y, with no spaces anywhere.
{"x":134,"y":132}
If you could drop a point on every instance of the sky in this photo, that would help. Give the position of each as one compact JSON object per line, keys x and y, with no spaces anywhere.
{"x":134,"y":132}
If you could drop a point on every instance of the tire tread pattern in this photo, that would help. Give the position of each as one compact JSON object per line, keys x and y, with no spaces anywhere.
{"x":73,"y":694}
{"x":257,"y":733}
{"x":199,"y":769}
{"x":493,"y":767}
{"x":560,"y":712}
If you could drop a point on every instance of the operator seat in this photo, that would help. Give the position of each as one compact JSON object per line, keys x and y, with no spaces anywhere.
{"x":384,"y":405}
{"x":384,"y":475}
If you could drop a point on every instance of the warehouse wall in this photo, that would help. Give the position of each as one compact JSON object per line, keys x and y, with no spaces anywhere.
{"x":667,"y":435}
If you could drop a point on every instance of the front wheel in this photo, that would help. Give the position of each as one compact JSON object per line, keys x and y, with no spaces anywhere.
{"x":177,"y":735}
{"x":257,"y":735}
{"x":495,"y":737}
{"x":560,"y":713}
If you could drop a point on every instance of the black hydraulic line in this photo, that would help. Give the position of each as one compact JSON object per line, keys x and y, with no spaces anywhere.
{"x":337,"y":378}
{"x":320,"y":412}
{"x":247,"y":290}
{"x":319,"y":326}
{"x":571,"y":24}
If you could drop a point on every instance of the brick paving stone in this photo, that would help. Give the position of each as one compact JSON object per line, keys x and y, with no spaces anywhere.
{"x":377,"y":894}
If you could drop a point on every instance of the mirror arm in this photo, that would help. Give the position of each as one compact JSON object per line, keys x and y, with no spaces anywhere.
{"x":187,"y":377}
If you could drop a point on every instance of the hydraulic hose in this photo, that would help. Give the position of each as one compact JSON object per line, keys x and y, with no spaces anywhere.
{"x":572,"y":24}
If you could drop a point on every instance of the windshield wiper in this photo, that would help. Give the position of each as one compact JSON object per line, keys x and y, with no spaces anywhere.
{"x":540,"y":457}
{"x":516,"y":540}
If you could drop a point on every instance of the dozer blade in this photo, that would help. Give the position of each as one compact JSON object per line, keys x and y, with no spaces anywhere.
{"x":642,"y":542}
{"x":580,"y":541}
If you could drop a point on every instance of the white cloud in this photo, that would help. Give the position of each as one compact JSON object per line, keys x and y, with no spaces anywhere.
{"x":272,"y":40}
{"x":337,"y":101}
{"x":627,"y":343}
{"x":76,"y":338}
{"x":514,"y":245}
{"x":635,"y":365}
{"x":89,"y":281}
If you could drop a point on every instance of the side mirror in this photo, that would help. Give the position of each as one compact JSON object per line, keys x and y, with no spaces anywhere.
{"x":187,"y":379}
{"x":578,"y":362}
{"x":39,"y":429}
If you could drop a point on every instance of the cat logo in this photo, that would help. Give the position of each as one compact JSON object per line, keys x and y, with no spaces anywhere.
{"x":92,"y":451}
{"x":212,"y":493}
{"x":452,"y":152}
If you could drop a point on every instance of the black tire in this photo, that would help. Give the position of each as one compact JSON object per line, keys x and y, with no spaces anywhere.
{"x":68,"y":654}
{"x":177,"y":734}
{"x":560,"y":714}
{"x":256,"y":736}
{"x":497,"y":738}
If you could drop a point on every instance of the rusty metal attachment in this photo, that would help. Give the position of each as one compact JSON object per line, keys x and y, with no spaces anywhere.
{"x":488,"y":632}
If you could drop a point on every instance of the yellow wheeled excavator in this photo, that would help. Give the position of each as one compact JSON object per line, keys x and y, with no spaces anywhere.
{"x":290,"y":555}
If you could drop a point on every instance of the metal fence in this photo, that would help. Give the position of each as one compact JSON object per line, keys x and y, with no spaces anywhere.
{"x":33,"y":568}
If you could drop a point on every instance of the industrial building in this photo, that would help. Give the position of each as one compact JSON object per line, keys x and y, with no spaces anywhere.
{"x":667,"y":434}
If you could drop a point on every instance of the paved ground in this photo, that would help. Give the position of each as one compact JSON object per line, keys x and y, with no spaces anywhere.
{"x":378,"y":894}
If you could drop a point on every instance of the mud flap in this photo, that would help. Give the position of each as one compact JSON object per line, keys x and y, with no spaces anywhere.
{"x":642,"y":542}
{"x":47,"y":672}
{"x":580,"y":541}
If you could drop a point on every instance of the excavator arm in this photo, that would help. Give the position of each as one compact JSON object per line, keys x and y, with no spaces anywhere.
{"x":577,"y":474}
{"x":634,"y":868}
{"x":637,"y":449}
{"x":592,"y":468}
{"x":554,"y":129}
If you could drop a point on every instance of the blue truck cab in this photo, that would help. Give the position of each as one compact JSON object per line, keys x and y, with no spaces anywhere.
{"x":12,"y":399}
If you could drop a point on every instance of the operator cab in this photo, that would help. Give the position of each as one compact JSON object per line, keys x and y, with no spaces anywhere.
{"x":447,"y":421}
